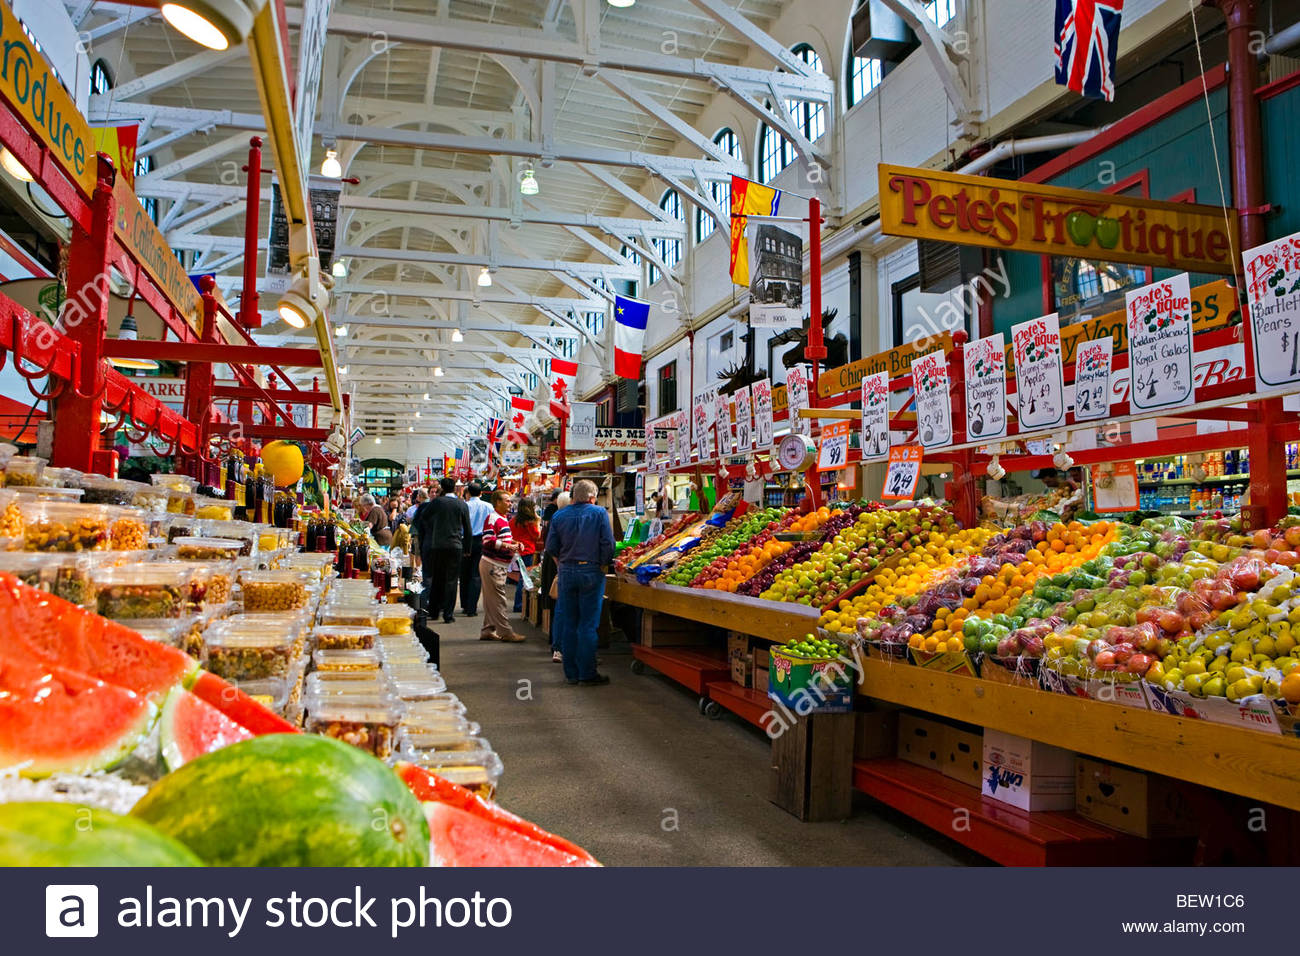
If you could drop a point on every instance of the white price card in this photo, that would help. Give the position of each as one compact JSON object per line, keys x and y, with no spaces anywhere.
{"x":651,"y":452}
{"x":903,"y":474}
{"x":1092,"y":365}
{"x":722,"y":425}
{"x":986,"y":388}
{"x":1273,"y":296}
{"x":933,"y":407}
{"x":744,"y":432}
{"x":875,"y":416}
{"x":796,"y":391}
{"x":701,"y":417}
{"x":763,"y":412}
{"x":1040,"y":385}
{"x":1160,"y":343}
{"x":833,"y":454}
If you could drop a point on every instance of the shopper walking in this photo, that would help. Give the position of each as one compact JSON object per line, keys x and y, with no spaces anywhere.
{"x":470,"y":582}
{"x":371,"y":513}
{"x":527,"y":530}
{"x":441,"y":527}
{"x":582,"y":542}
{"x":498,"y":550}
{"x":559,"y":500}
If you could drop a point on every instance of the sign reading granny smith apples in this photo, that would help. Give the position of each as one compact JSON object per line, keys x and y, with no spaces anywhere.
{"x":1005,"y":214}
{"x":1092,"y":362}
{"x":1273,"y":294}
{"x":875,"y":416}
{"x":1040,"y":384}
{"x":1160,"y":343}
{"x":986,"y":396}
{"x":933,"y":409}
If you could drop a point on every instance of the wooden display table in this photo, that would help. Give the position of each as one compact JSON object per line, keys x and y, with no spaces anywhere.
{"x":769,"y":619}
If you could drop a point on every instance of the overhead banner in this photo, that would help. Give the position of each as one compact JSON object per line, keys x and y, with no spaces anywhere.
{"x":611,"y":438}
{"x":1273,"y":294}
{"x":933,"y":409}
{"x":582,"y":427}
{"x":1040,"y":380}
{"x":119,"y":142}
{"x":1160,"y":343}
{"x":776,"y":284}
{"x":146,"y":245}
{"x":744,"y":429}
{"x":1092,"y":366}
{"x":1051,"y":220}
{"x":986,"y":388}
{"x":875,"y":416}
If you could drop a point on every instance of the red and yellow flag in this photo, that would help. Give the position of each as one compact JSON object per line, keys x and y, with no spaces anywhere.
{"x":747,"y":199}
{"x":120,"y":143}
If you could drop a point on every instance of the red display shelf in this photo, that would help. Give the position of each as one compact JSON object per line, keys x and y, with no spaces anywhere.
{"x":689,"y":666}
{"x":745,"y":702}
{"x":1004,"y":833}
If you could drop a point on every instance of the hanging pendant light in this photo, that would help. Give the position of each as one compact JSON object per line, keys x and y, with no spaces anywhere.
{"x":129,"y":332}
{"x":484,"y":277}
{"x":528,"y":183}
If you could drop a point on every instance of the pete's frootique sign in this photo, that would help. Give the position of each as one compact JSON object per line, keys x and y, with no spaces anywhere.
{"x":1004,"y":214}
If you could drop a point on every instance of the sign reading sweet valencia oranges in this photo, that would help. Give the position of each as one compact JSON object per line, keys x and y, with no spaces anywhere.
{"x":1005,"y":214}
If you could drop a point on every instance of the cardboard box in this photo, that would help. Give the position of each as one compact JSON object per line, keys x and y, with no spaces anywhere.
{"x":950,"y":662}
{"x":921,"y":741}
{"x":810,"y":686}
{"x":1127,"y":694}
{"x":759,"y":677}
{"x":875,"y":734}
{"x":1143,"y":804}
{"x":741,"y":668}
{"x":762,"y":658}
{"x":963,"y":755}
{"x":1251,"y":713}
{"x":1027,"y":774}
{"x":737,"y":644}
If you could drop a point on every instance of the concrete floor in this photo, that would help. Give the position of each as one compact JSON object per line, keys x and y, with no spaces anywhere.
{"x":635,"y":774}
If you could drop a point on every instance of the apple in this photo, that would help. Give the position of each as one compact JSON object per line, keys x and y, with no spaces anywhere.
{"x":1170,"y":621}
{"x":1096,"y":647}
{"x":1122,"y":652}
{"x":1105,"y":661}
{"x":1139,"y":664}
{"x":1032,"y":646}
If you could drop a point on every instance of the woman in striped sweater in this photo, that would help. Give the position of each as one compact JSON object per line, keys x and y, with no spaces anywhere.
{"x":498,"y":549}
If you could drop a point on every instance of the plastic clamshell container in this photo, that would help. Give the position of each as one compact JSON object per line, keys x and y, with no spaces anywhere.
{"x":437,"y":722}
{"x":476,"y":770}
{"x":419,"y":689}
{"x":273,"y":591}
{"x":101,"y":490}
{"x":61,"y":477}
{"x":353,"y":587}
{"x":211,"y":582}
{"x":347,"y":662}
{"x":45,"y":493}
{"x":442,"y":741}
{"x":271,"y":538}
{"x":7,"y":451}
{"x":409,"y":670}
{"x":23,"y":471}
{"x":180,"y":503}
{"x":239,"y":652}
{"x":370,"y":725}
{"x":343,"y":638}
{"x":434,"y":704}
{"x":347,"y":614}
{"x":174,"y":482}
{"x":396,"y":619}
{"x":171,"y":631}
{"x":133,"y":591}
{"x":271,"y":692}
{"x":348,"y":684}
{"x":241,"y":531}
{"x":318,"y":563}
{"x":215,"y":509}
{"x":54,"y":526}
{"x":403,"y":649}
{"x":189,"y":548}
{"x":150,"y":498}
{"x":64,"y":575}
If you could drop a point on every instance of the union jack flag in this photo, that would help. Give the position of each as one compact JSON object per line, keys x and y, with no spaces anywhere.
{"x":1087,"y":35}
{"x":496,"y":430}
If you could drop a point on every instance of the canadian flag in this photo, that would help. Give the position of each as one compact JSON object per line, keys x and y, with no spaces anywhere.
{"x":516,"y":430}
{"x":563,"y":372}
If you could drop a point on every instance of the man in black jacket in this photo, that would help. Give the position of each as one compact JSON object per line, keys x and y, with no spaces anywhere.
{"x":441,"y":526}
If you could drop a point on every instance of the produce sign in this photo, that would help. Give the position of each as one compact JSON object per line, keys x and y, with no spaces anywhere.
{"x":903,"y":473}
{"x":986,"y":400}
{"x":1040,"y":383}
{"x":744,"y":429}
{"x":933,"y":409}
{"x":763,"y":412}
{"x":833,"y":453}
{"x":796,"y":387}
{"x":1273,"y":294}
{"x":1115,"y":487}
{"x":1092,"y":380}
{"x":875,"y":416}
{"x":1160,"y":343}
{"x":807,"y":675}
{"x":1005,"y":214}
{"x":724,"y":438}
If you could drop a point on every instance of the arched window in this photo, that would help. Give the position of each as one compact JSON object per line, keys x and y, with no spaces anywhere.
{"x":775,"y":152}
{"x":669,"y":250}
{"x":864,"y":76}
{"x":101,"y":80}
{"x":720,"y":191}
{"x":143,"y":166}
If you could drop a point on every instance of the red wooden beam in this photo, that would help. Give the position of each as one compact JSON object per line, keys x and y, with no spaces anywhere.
{"x":23,"y":334}
{"x":294,"y":396}
{"x":285,"y":432}
{"x":212,"y":352}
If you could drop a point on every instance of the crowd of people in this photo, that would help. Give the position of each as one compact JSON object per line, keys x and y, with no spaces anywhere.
{"x":473,"y":542}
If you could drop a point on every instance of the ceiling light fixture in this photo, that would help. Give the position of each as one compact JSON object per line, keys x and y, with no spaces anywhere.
{"x":14,"y":167}
{"x":528,"y":183}
{"x":305,"y":299}
{"x":437,"y":371}
{"x":426,"y":396}
{"x":457,"y":335}
{"x":215,"y":24}
{"x":341,"y":331}
{"x":621,"y":3}
{"x":339,"y":268}
{"x":376,"y":439}
{"x":330,"y":166}
{"x":484,"y":277}
{"x":343,"y":370}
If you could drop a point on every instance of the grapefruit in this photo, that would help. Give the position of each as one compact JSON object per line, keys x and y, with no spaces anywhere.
{"x":190,"y":728}
{"x":283,"y":461}
{"x":65,"y":834}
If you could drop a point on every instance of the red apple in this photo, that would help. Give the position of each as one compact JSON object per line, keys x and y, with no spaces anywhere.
{"x":1139,"y":664}
{"x":1170,"y":621}
{"x":1105,"y":661}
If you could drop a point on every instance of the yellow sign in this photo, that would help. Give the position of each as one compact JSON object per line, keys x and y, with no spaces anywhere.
{"x":146,"y":245}
{"x":780,"y":400}
{"x":896,"y":362}
{"x":1005,"y":214}
{"x":30,"y":87}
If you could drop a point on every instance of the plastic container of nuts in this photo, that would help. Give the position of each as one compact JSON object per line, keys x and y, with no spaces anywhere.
{"x":236,"y":651}
{"x":395,"y":619}
{"x":477,"y":770}
{"x":241,"y":531}
{"x":432,"y":706}
{"x":271,"y":692}
{"x":101,"y":490}
{"x":347,"y":662}
{"x":171,"y":631}
{"x":132,"y":591}
{"x":150,"y":498}
{"x":23,"y":471}
{"x":342,"y":638}
{"x":62,"y":477}
{"x":370,"y":725}
{"x":349,"y":614}
{"x":272,"y":591}
{"x":211,"y":582}
{"x":442,"y":740}
{"x":189,"y":548}
{"x":320,"y":563}
{"x":348,"y":684}
{"x":63,"y":575}
{"x":11,"y":520}
{"x":174,"y":482}
{"x":70,"y":496}
{"x":128,"y":530}
{"x":53,"y":526}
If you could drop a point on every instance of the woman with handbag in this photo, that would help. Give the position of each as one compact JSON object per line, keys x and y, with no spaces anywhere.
{"x":527,"y":530}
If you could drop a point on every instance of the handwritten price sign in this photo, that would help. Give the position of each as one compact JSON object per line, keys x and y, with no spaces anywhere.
{"x":834,"y":451}
{"x":1273,"y":292}
{"x":763,"y":412}
{"x":1040,"y":384}
{"x":875,"y":416}
{"x":1160,"y":343}
{"x":903,"y":474}
{"x":796,"y":387}
{"x":744,"y":434}
{"x":933,"y":408}
{"x":986,"y":396}
{"x":1092,"y":363}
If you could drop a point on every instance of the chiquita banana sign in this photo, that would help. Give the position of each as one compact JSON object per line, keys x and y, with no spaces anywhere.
{"x":1004,"y":214}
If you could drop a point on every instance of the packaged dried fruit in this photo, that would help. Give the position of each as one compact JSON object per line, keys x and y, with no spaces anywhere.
{"x":172,"y":631}
{"x":43,"y":493}
{"x":64,"y":575}
{"x":174,"y":482}
{"x":415,"y":690}
{"x":211,"y":582}
{"x":180,"y":503}
{"x":101,"y":490}
{"x":216,"y":509}
{"x":477,"y":770}
{"x":272,"y":591}
{"x":271,"y":692}
{"x":444,"y":740}
{"x":349,"y":614}
{"x":11,"y":518}
{"x":23,"y":471}
{"x":189,"y":548}
{"x":370,"y":725}
{"x":140,"y":591}
{"x":348,"y":684}
{"x":347,"y":662}
{"x":342,"y":638}
{"x":239,"y":652}
{"x":434,"y":705}
{"x":395,"y":619}
{"x":128,"y":532}
{"x":441,"y":722}
{"x":150,"y":498}
{"x":61,"y":477}
{"x":53,"y":526}
{"x":242,"y":531}
{"x":319,"y":563}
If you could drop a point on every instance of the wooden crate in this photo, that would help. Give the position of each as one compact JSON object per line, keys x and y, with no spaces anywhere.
{"x":812,"y":767}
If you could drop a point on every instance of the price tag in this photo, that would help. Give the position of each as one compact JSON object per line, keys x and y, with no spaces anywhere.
{"x":796,"y":389}
{"x":933,"y":408}
{"x":1115,"y":487}
{"x":1160,"y":343}
{"x":1040,"y":385}
{"x":875,"y":416}
{"x":1273,"y":293}
{"x":903,"y":474}
{"x":722,"y":425}
{"x":744,"y":433}
{"x":651,"y":452}
{"x":986,"y":388}
{"x":640,"y":493}
{"x":834,"y":451}
{"x":763,"y":412}
{"x":1092,"y":363}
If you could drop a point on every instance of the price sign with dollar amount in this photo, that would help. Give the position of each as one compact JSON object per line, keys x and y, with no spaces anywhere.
{"x":834,"y":451}
{"x":1159,"y":320}
{"x":986,"y":388}
{"x":903,"y":474}
{"x":1092,"y":363}
{"x":1273,"y":294}
{"x":1040,"y":384}
{"x":933,"y":402}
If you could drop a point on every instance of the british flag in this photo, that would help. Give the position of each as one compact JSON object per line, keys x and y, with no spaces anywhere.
{"x":496,"y":431}
{"x":1087,"y":36}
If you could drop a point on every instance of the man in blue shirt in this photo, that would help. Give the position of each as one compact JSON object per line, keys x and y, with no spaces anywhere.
{"x":470,"y":584}
{"x":581,"y":541}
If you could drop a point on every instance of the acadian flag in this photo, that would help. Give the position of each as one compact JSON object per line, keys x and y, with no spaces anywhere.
{"x":563,"y":372}
{"x":449,"y":465}
{"x":630,"y":317}
{"x":520,"y":409}
{"x":747,"y":199}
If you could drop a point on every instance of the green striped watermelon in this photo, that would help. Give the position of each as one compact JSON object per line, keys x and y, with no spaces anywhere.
{"x":64,"y":834}
{"x":290,"y":800}
{"x":190,"y":728}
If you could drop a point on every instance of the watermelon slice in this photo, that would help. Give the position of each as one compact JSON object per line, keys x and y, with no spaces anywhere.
{"x":467,"y":830}
{"x":238,"y":706}
{"x":55,"y":720}
{"x":190,"y":728}
{"x":45,"y":628}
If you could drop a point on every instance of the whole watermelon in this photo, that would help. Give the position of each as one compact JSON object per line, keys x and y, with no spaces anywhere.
{"x":290,"y":800}
{"x":65,"y":834}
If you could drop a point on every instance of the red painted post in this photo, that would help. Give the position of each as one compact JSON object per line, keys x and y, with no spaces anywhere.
{"x":960,"y":492}
{"x":85,"y":319}
{"x":249,"y":315}
{"x":199,"y":381}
